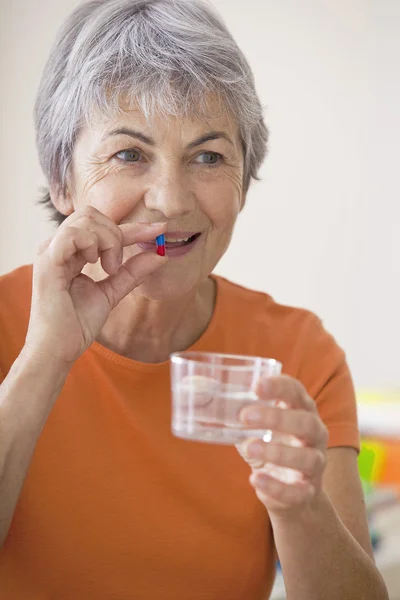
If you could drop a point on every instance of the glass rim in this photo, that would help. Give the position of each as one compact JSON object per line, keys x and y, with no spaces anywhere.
{"x":187,"y":356}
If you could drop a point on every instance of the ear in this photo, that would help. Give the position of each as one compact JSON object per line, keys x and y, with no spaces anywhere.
{"x":62,"y":200}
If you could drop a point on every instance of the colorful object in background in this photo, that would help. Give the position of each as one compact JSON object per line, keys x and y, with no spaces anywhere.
{"x":160,"y":244}
{"x":366,"y":460}
{"x":379,"y":419}
{"x":379,"y":413}
{"x":379,"y":462}
{"x":371,"y":461}
{"x":375,"y":463}
{"x":378,"y":396}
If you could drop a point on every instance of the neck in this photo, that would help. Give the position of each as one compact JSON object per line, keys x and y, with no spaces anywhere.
{"x":150,"y":330}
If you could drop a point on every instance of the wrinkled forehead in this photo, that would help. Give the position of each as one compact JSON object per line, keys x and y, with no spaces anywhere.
{"x":211,"y":114}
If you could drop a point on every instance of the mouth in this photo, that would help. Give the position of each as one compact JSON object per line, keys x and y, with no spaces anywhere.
{"x":179,"y":242}
{"x":176,"y":242}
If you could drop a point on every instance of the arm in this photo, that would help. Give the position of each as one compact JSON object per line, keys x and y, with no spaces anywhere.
{"x":319,"y":522}
{"x":26,"y":397}
{"x":325,"y":549}
{"x":68,"y":310}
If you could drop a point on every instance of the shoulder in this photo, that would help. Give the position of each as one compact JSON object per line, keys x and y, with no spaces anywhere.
{"x":254,"y":324}
{"x":258,"y":309}
{"x":15,"y":304}
{"x":294,"y":336}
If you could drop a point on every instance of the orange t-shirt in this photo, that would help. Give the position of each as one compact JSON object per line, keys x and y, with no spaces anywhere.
{"x":114,"y":507}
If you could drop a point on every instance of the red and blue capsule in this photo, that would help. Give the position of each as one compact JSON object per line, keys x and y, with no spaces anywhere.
{"x":160,"y":245}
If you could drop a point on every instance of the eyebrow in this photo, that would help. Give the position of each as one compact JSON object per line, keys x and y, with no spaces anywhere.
{"x":208,"y":137}
{"x":132,"y":133}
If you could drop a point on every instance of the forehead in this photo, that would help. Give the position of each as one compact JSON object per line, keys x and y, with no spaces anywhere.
{"x":214,"y":116}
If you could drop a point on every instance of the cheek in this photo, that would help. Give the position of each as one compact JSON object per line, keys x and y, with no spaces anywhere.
{"x":115,"y":196}
{"x":222,"y":206}
{"x":223,"y":214}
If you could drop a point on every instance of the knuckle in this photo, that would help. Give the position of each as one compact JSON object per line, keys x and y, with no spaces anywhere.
{"x":321,"y":460}
{"x":67,"y":232}
{"x":92,"y":237}
{"x":312,"y":460}
{"x":113,"y":246}
{"x":70,"y":234}
{"x":317,"y":461}
{"x":86,"y":223}
{"x":89,"y":211}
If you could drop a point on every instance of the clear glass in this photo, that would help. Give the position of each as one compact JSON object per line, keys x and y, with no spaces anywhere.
{"x":210,"y":390}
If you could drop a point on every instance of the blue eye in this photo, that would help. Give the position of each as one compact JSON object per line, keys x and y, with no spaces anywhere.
{"x":129,"y":155}
{"x":209,"y":158}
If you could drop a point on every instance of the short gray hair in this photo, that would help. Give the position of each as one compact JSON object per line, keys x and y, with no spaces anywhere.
{"x":165,"y":55}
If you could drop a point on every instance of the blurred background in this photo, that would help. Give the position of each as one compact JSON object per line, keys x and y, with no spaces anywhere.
{"x":320,"y":230}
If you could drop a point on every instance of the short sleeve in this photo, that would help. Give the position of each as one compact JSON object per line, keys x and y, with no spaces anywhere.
{"x":326,"y":375}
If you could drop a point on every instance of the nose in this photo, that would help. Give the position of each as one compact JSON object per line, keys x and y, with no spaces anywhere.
{"x":170,"y":195}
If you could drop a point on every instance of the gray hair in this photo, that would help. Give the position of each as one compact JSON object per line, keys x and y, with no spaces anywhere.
{"x":165,"y":55}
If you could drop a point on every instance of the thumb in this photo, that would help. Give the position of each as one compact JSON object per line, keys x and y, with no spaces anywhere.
{"x":130,"y":275}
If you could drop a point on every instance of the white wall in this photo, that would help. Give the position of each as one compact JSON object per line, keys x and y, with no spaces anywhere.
{"x":327,"y":210}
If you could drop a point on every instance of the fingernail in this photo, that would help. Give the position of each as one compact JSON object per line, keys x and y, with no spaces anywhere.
{"x":157,"y":224}
{"x":255,"y":449}
{"x":252,"y":415}
{"x":261,"y":481}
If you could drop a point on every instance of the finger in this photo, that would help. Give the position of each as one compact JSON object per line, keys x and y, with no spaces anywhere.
{"x":130,"y":275}
{"x":289,"y":495}
{"x":92,"y":219}
{"x":69,"y":242}
{"x":89,"y":218}
{"x":285,"y":389}
{"x":308,"y":461}
{"x":304,"y":425}
{"x":90,"y":255}
{"x":110,"y":242}
{"x":109,"y":247}
{"x":127,"y":233}
{"x":133,"y":233}
{"x":254,"y":463}
{"x":90,"y":213}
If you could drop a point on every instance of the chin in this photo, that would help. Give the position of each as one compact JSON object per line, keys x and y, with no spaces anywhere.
{"x":169,"y":283}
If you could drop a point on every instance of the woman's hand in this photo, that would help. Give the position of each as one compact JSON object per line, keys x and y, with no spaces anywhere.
{"x":301,"y":420}
{"x":68,"y":308}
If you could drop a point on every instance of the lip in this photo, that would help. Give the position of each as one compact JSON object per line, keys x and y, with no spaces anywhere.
{"x":179,"y":250}
{"x":179,"y":234}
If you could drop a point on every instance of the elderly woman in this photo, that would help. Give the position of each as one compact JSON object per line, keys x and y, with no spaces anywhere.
{"x":147,"y":123}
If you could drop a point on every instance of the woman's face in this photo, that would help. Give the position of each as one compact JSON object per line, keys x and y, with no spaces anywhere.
{"x":186,"y":172}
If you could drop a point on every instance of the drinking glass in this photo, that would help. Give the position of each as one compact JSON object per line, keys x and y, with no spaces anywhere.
{"x":209,"y":391}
